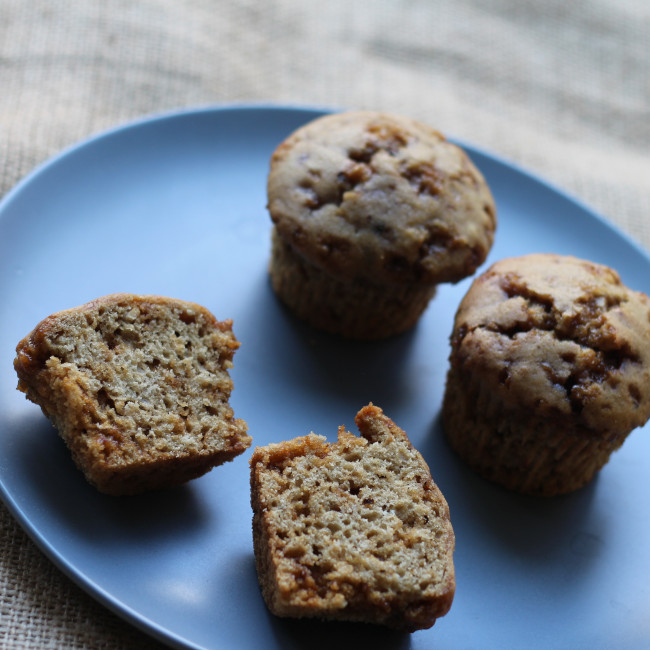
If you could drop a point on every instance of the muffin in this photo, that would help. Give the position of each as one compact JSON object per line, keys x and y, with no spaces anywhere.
{"x":371,"y":211}
{"x":549,"y":372}
{"x":138,"y":388}
{"x":354,"y":530}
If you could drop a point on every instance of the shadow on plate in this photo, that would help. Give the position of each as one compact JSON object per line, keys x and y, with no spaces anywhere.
{"x":540,"y":530}
{"x":49,"y":474}
{"x":320,"y":635}
{"x":321,"y":363}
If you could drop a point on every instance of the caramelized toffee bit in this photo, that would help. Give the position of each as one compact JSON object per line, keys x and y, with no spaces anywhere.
{"x":425,"y":177}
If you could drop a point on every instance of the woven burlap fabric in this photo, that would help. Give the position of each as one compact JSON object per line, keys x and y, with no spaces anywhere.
{"x":561,"y":87}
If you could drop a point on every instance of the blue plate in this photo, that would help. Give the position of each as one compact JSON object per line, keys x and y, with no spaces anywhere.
{"x":175,"y":205}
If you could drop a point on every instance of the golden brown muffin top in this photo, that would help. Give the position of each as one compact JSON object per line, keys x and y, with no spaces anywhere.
{"x":559,"y":335}
{"x":381,"y":197}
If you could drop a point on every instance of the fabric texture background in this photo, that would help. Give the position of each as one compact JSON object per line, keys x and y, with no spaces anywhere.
{"x":563,"y":88}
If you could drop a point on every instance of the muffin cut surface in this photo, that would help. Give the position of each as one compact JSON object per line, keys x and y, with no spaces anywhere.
{"x":138,"y":388}
{"x":354,"y":530}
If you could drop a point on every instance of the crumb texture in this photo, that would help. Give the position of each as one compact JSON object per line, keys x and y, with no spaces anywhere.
{"x":138,"y":387}
{"x":381,"y":197}
{"x":352,"y":530}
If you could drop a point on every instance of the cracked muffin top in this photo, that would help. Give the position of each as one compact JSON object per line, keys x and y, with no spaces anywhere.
{"x":559,"y":336}
{"x":381,"y":197}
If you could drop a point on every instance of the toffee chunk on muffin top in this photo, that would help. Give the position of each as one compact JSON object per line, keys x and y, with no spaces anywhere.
{"x":371,"y":212}
{"x":549,"y":372}
{"x":138,"y":388}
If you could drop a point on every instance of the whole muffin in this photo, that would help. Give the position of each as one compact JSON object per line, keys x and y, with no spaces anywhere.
{"x":549,"y":372}
{"x":371,"y":212}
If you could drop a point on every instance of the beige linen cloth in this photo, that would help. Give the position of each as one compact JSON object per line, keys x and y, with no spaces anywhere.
{"x":561,"y":87}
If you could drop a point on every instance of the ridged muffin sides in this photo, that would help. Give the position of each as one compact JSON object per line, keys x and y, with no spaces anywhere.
{"x":357,"y":309}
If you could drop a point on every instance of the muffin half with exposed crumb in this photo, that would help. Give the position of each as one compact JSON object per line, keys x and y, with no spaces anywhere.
{"x":549,"y":372}
{"x":354,"y":530}
{"x":371,"y":212}
{"x":138,"y":388}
